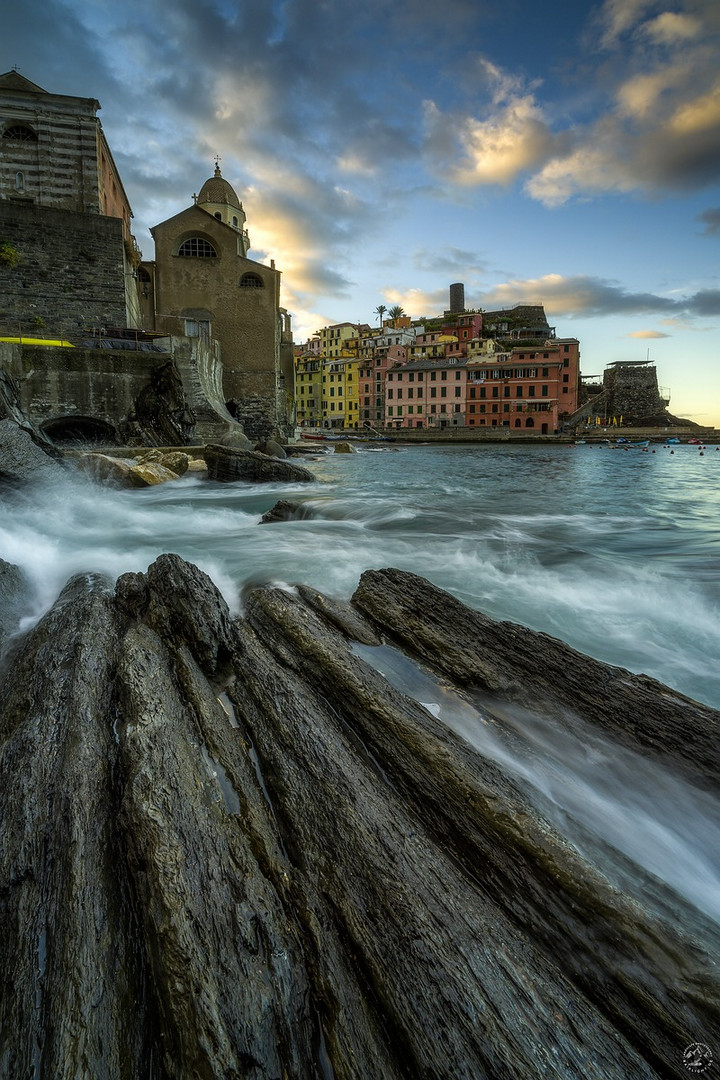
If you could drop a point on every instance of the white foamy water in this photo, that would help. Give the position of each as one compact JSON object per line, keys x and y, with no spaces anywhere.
{"x":617,"y":553}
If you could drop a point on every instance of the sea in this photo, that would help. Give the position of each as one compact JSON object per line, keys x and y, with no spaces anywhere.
{"x":614,"y":551}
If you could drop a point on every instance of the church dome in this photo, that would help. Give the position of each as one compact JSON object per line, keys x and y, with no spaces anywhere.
{"x":218,"y":191}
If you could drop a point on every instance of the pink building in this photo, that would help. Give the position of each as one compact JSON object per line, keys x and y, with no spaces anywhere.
{"x":371,"y":382}
{"x":426,"y":394}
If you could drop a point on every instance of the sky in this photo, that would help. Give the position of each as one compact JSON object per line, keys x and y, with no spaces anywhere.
{"x":563,"y":153}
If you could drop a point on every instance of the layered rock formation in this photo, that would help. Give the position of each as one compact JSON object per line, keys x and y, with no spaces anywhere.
{"x":232,"y":849}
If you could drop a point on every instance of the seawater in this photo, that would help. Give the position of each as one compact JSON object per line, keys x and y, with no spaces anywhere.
{"x":615,"y":552}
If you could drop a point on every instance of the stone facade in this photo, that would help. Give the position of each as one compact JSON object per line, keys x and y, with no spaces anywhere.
{"x":55,"y":161}
{"x":69,"y":274}
{"x":203,"y":284}
{"x":633,"y":392}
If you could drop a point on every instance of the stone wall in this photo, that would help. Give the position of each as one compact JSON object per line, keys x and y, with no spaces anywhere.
{"x":70,"y":273}
{"x":632,"y":392}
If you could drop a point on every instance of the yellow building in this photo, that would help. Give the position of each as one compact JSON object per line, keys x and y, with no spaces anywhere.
{"x":336,"y":338}
{"x":308,"y":389}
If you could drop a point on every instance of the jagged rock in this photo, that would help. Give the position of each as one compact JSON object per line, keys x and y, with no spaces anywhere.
{"x":21,"y":460}
{"x":230,"y":464}
{"x":232,"y":849}
{"x":283,"y":510}
{"x":161,"y":414}
{"x":271,"y":448}
{"x":344,"y":448}
{"x":536,"y":669}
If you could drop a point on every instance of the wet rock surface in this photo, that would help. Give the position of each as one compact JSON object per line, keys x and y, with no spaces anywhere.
{"x":230,"y":464}
{"x":232,"y":849}
{"x":285,"y":510}
{"x":21,"y":460}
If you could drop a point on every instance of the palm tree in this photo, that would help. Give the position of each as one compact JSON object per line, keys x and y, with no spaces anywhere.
{"x":380,"y":311}
{"x":396,"y":311}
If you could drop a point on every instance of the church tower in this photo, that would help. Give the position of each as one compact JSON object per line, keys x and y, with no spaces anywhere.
{"x":218,"y":198}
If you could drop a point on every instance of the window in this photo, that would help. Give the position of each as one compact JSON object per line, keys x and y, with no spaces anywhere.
{"x":495,"y":391}
{"x":544,"y":391}
{"x":531,"y":391}
{"x":506,"y":408}
{"x":389,"y":394}
{"x":410,"y":391}
{"x":458,"y":391}
{"x":399,"y":394}
{"x":566,"y":378}
{"x":483,"y":392}
{"x":506,"y":391}
{"x":458,"y":375}
{"x":433,"y":376}
{"x":457,"y":408}
{"x":19,"y":181}
{"x":494,"y":408}
{"x":518,"y":391}
{"x":20,"y":133}
{"x":545,"y":371}
{"x":411,"y":377}
{"x":443,"y":374}
{"x":251,"y":281}
{"x":443,"y":391}
{"x":197,"y":247}
{"x":198,"y":328}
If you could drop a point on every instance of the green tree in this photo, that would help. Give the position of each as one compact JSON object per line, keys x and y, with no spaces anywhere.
{"x":380,"y":311}
{"x":396,"y":311}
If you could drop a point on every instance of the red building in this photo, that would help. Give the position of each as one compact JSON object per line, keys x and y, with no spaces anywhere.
{"x":531,"y":389}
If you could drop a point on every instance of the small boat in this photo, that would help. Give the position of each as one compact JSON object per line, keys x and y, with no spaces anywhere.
{"x":672,"y":442}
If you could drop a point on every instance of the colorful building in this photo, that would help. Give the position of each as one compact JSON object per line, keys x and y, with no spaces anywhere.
{"x":528,"y":389}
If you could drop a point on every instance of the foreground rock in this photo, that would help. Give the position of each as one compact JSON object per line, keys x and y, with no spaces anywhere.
{"x":15,"y":596}
{"x":284,"y":510}
{"x":230,"y":464}
{"x":537,"y":670}
{"x":232,"y":849}
{"x":21,"y":461}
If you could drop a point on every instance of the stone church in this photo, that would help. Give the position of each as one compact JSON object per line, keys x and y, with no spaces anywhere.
{"x":69,"y":268}
{"x":203,"y":285}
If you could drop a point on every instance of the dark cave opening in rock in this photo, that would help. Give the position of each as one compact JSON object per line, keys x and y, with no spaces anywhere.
{"x":80,"y":429}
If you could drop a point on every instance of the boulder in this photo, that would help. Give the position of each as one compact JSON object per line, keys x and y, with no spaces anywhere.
{"x":344,"y":448}
{"x":271,"y":448}
{"x":105,"y":467}
{"x":229,"y":464}
{"x":177,"y":462}
{"x":21,"y":461}
{"x":149,"y":473}
{"x":235,"y":437}
{"x":283,"y":510}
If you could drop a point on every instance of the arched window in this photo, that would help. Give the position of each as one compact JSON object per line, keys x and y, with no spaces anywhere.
{"x":529,"y":422}
{"x":218,"y":215}
{"x":19,"y":181}
{"x":20,"y":132}
{"x":197,"y":247}
{"x":251,"y":281}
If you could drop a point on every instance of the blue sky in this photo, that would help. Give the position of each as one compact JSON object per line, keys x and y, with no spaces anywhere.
{"x":562,"y":153}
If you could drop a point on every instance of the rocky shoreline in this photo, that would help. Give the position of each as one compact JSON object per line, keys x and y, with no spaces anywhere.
{"x":232,"y":849}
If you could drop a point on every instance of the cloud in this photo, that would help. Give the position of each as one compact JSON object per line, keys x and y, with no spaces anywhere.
{"x":450,"y":261}
{"x":711,"y":220}
{"x":510,"y":138}
{"x":647,"y":334}
{"x":583,"y":296}
{"x":672,"y":27}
